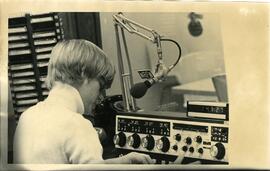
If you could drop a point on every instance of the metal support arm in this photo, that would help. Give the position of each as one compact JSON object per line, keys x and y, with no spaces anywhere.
{"x":133,"y":28}
{"x":120,"y":21}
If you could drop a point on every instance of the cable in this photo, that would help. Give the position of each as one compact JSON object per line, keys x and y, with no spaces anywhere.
{"x":179,"y":48}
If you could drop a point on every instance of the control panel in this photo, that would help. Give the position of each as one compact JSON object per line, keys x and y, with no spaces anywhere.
{"x":196,"y":139}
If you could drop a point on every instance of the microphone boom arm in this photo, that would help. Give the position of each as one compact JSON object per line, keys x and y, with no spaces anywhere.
{"x":126,"y":23}
{"x":126,"y":78}
{"x":131,"y":25}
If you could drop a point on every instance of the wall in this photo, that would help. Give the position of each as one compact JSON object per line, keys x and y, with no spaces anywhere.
{"x":202,"y":56}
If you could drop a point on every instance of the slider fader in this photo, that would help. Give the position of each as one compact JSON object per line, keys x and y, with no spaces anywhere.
{"x":164,"y":135}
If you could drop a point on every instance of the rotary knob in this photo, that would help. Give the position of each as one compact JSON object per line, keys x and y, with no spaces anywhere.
{"x":218,"y":151}
{"x":120,"y":139}
{"x":188,"y":140}
{"x":200,"y":150}
{"x":184,"y":148}
{"x":198,"y":139}
{"x":134,"y":140}
{"x":148,"y":142}
{"x":163,"y":144}
{"x":175,"y":147}
{"x":191,"y":149}
{"x":177,"y":137}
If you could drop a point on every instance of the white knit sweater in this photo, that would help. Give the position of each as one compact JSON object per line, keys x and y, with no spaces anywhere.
{"x":54,"y":131}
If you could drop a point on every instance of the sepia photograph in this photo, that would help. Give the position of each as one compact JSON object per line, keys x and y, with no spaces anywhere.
{"x":146,"y":89}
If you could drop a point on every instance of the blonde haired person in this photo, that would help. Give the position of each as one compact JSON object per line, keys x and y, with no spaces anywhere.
{"x":54,"y":130}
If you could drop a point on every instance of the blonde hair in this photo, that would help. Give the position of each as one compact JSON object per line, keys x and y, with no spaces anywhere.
{"x":73,"y":61}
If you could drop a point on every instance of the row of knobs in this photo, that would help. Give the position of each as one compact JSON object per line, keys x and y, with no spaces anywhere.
{"x":148,"y":142}
{"x":217,"y":150}
{"x":163,"y":144}
{"x":188,"y":140}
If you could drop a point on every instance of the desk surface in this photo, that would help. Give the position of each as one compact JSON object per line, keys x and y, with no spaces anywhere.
{"x":202,"y":87}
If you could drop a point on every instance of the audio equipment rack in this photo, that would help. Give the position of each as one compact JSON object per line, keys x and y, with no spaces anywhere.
{"x":165,"y":135}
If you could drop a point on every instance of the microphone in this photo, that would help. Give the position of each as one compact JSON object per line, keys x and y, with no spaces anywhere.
{"x":140,"y":89}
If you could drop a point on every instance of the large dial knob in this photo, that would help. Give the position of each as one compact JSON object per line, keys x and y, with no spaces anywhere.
{"x":148,"y":142}
{"x":163,"y":144}
{"x":134,"y":140}
{"x":120,"y":139}
{"x":218,"y":151}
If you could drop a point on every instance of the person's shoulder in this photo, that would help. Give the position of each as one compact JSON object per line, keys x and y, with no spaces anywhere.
{"x":77,"y":125}
{"x":31,"y":111}
{"x":78,"y":119}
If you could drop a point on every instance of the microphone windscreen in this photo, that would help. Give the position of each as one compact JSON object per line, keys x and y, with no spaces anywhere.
{"x":138,"y":90}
